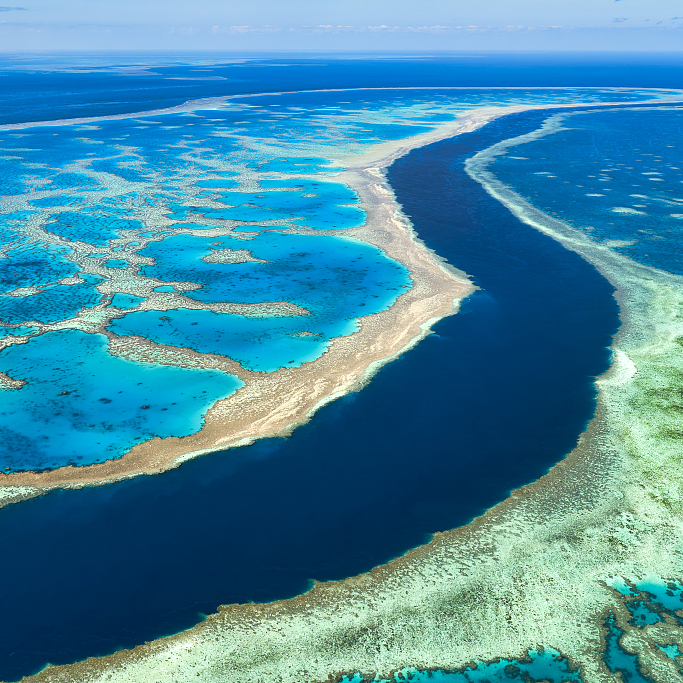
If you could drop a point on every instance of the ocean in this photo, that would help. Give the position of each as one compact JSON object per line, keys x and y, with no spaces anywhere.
{"x":489,"y":402}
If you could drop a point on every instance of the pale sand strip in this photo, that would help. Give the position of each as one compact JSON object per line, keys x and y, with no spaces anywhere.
{"x":273,"y":404}
{"x":207,"y":103}
{"x":528,"y":573}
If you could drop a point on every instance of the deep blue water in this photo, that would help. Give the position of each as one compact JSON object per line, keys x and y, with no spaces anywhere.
{"x":39,"y":93}
{"x":487,"y":404}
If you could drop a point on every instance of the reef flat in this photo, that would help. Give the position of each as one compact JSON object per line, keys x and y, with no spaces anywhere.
{"x":164,"y":221}
{"x":584,"y":563}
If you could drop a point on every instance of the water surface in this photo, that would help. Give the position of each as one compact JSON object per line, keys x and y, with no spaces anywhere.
{"x":486,"y":404}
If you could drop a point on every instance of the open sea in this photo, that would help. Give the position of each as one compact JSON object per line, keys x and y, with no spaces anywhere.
{"x":488,"y":403}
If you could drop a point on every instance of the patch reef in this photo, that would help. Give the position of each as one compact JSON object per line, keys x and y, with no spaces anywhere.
{"x":272,"y":404}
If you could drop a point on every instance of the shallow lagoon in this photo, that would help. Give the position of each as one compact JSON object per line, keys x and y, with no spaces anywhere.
{"x":34,"y":265}
{"x":310,"y":271}
{"x":333,"y":279}
{"x":96,"y":230}
{"x":52,"y":304}
{"x":623,"y":189}
{"x":257,"y":343}
{"x":312,"y":204}
{"x":100,"y":407}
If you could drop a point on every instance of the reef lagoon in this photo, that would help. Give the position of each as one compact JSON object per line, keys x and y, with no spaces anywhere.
{"x":171,"y":271}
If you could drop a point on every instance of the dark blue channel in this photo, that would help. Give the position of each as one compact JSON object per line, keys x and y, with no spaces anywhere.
{"x":487,"y":404}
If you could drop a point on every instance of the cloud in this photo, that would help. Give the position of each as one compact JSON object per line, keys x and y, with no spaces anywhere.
{"x":434,"y":29}
{"x":11,"y":9}
{"x":245,"y":29}
{"x":382,"y":28}
{"x":618,"y":20}
{"x":407,"y":29}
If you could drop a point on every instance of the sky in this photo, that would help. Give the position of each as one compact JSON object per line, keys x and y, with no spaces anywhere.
{"x":342,"y":25}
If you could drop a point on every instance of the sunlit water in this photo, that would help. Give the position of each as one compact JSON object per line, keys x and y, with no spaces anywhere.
{"x":103,"y":217}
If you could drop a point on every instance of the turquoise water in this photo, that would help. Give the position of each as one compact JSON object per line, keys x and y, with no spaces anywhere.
{"x":313,"y":204}
{"x":124,"y":301}
{"x":35,"y":264}
{"x":654,"y":595}
{"x":7,"y":222}
{"x":618,"y":659}
{"x":119,"y":169}
{"x":642,"y":615}
{"x":545,"y":665}
{"x":264,"y":344}
{"x":333,"y":279}
{"x":17,"y":331}
{"x":333,"y":275}
{"x":96,"y":230}
{"x":613,"y":190}
{"x":52,"y":304}
{"x":667,"y":594}
{"x":620,"y":584}
{"x":650,"y":600}
{"x":71,"y":181}
{"x":299,"y":166}
{"x":102,"y":405}
{"x":671,"y":651}
{"x":42,"y":265}
{"x":116,"y":263}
